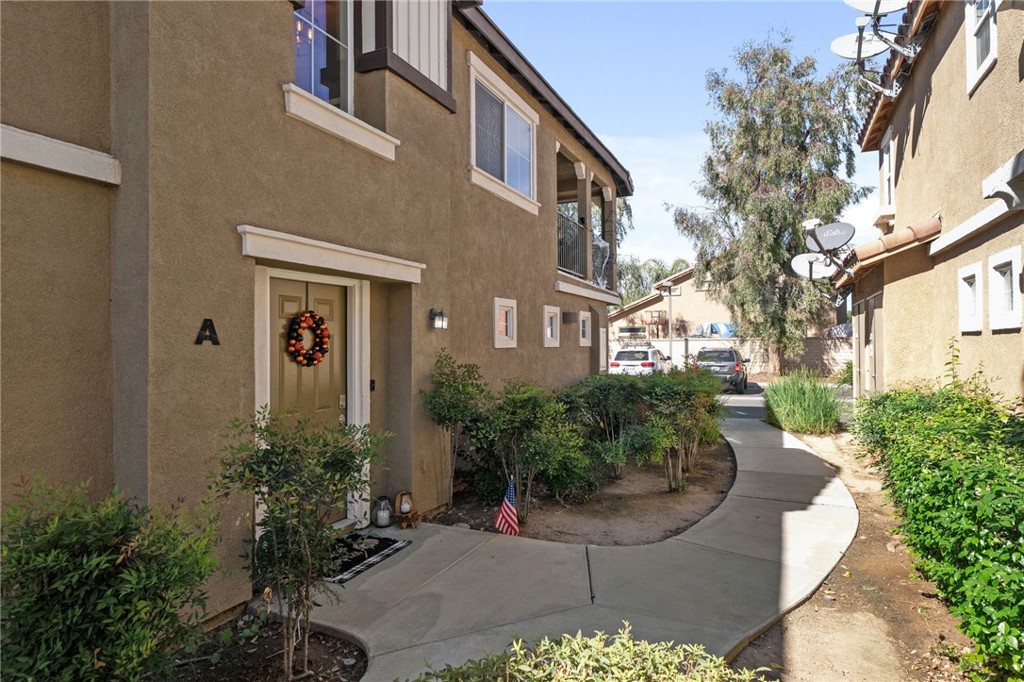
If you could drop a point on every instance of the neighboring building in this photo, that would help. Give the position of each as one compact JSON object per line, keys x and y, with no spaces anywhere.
{"x":180,"y":179}
{"x":679,"y":318}
{"x":951,"y":177}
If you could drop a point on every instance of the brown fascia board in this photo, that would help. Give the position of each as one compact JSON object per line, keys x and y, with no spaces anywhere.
{"x":485,"y":30}
{"x":639,"y":304}
{"x":676,"y":278}
{"x":875,"y":123}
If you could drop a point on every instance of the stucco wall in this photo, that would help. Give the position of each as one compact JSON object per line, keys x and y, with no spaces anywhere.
{"x":55,"y":77}
{"x":55,"y":341}
{"x":197,"y":118}
{"x":948,"y":142}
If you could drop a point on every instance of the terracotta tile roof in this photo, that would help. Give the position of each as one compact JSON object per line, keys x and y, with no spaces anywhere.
{"x":868,"y":254}
{"x":654,"y":297}
{"x":877,"y":118}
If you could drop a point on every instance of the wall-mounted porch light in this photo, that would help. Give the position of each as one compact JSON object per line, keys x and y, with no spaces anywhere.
{"x":438,"y":319}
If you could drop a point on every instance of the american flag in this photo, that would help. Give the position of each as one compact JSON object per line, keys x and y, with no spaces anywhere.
{"x":507,"y":521}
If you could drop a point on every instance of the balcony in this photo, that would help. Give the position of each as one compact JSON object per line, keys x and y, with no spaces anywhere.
{"x":572,"y":247}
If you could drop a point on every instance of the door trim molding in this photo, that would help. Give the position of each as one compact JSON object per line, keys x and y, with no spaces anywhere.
{"x":357,"y":298}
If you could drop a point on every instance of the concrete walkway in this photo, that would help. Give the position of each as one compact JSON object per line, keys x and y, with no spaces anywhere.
{"x":457,"y":594}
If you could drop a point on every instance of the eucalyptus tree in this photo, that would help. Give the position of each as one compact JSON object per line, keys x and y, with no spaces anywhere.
{"x":781,"y":151}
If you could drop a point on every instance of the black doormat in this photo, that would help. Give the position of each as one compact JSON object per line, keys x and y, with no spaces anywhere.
{"x":356,"y":552}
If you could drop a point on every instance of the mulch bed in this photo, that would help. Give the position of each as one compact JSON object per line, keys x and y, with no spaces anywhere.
{"x":259,"y":658}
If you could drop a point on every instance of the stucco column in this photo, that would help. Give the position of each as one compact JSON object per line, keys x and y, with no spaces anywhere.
{"x":608,"y":234}
{"x":583,"y":204}
{"x":130,"y":245}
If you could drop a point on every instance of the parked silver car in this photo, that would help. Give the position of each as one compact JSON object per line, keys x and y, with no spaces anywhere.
{"x":727,"y":364}
{"x":644,"y":360}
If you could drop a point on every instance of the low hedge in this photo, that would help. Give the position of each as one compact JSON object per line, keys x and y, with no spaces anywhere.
{"x":584,"y":659}
{"x":954,"y":465}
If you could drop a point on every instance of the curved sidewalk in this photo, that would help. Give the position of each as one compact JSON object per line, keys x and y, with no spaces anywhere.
{"x":457,"y":594}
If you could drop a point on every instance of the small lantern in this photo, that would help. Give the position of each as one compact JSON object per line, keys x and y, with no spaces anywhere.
{"x":438,"y":319}
{"x":382,"y":512}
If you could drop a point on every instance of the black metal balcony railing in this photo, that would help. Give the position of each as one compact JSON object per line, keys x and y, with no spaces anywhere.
{"x":572,"y":246}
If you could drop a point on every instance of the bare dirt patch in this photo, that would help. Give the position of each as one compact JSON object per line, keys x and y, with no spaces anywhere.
{"x":874,"y":619}
{"x":634,"y":510}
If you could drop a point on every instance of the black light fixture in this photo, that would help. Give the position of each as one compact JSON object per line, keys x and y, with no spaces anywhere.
{"x":438,"y":319}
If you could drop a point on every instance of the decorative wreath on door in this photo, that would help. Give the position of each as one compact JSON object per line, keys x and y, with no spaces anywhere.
{"x":308,"y":357}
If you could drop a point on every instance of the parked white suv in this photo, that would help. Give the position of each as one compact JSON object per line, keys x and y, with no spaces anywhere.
{"x":639,"y":361}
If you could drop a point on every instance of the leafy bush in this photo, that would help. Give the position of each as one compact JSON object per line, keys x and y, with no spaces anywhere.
{"x":957,"y":474}
{"x":458,"y":396}
{"x":299,"y":474}
{"x":682,"y":406}
{"x":801,"y":402}
{"x":525,"y":433}
{"x":584,"y":659}
{"x":605,"y":406}
{"x":98,"y":591}
{"x":844,"y":377}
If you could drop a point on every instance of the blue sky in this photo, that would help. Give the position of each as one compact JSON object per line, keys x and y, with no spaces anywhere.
{"x":598,"y":55}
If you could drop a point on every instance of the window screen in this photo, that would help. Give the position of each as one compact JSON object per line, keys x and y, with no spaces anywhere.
{"x":489,"y":125}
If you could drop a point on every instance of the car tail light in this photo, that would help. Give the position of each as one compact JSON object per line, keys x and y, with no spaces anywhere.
{"x":739,"y":367}
{"x":615,"y":364}
{"x":647,"y":364}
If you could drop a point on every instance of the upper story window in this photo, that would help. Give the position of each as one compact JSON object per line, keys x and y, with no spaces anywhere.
{"x":323,"y":50}
{"x":980,"y":29}
{"x":503,"y":138}
{"x":504,"y":141}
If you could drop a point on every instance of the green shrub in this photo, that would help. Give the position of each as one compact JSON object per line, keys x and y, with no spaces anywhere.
{"x":299,"y":474}
{"x":685,"y":405}
{"x":98,"y":590}
{"x":956,"y":472}
{"x":584,"y":659}
{"x":802,"y":403}
{"x":526,"y":433}
{"x":605,"y":406}
{"x":844,"y":377}
{"x":458,"y":396}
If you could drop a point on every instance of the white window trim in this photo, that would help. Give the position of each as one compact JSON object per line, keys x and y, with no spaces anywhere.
{"x":998,"y":318}
{"x":587,"y":330}
{"x":968,"y":302}
{"x":478,"y":71}
{"x":887,"y":171}
{"x":313,"y":111}
{"x":50,"y":153}
{"x":555,"y":313}
{"x":976,"y":74}
{"x":505,"y":341}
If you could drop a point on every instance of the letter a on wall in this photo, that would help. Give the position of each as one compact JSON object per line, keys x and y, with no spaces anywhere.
{"x":207,"y":332}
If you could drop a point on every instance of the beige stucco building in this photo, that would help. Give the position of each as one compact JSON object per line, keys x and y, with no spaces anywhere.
{"x":180,"y":179}
{"x":679,"y":318}
{"x":950,"y":138}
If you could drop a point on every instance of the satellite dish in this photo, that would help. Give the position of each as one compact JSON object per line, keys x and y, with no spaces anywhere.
{"x":870,"y":44}
{"x":812,"y":266}
{"x":831,"y":237}
{"x":884,"y":7}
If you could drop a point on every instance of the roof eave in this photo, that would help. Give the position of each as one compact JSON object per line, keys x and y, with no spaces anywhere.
{"x":487,"y":32}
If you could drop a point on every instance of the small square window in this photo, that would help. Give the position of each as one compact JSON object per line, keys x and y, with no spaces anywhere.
{"x":1004,"y":296}
{"x":505,"y":324}
{"x":969,"y":297}
{"x":552,"y":322}
{"x":585,"y":332}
